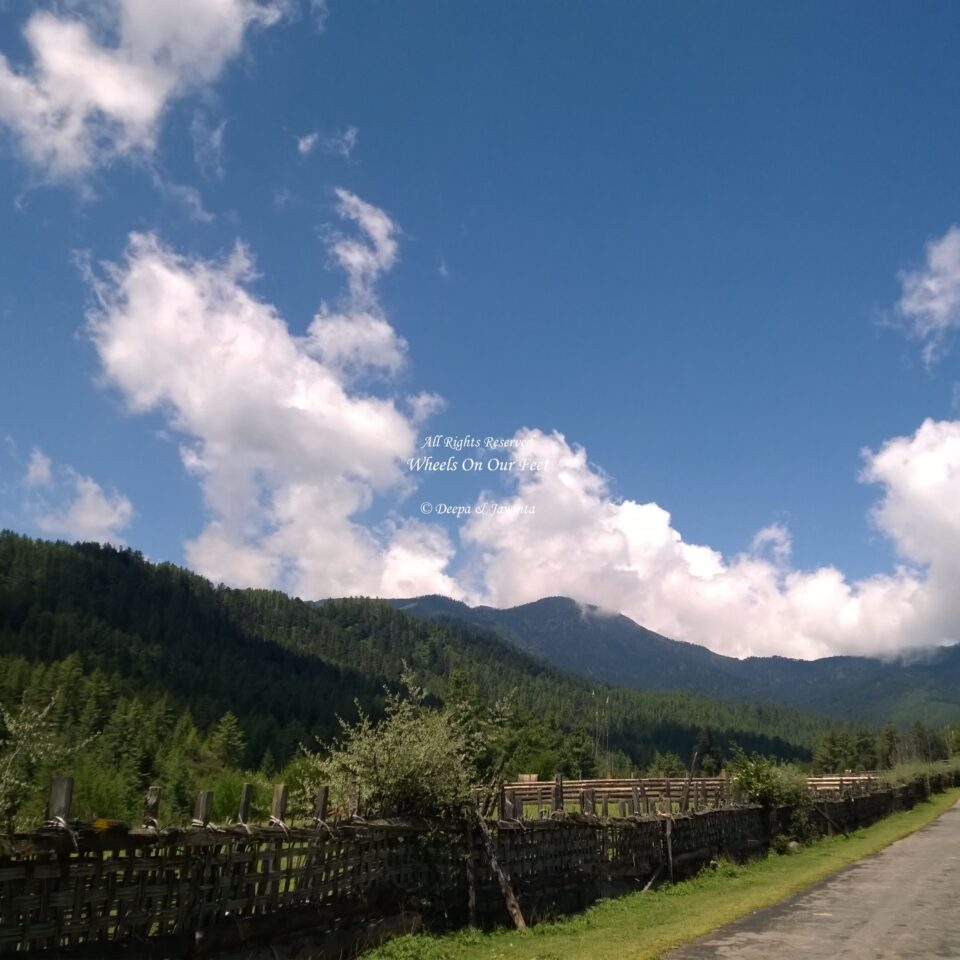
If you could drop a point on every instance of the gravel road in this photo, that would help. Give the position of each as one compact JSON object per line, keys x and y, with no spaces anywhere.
{"x":903,"y":903}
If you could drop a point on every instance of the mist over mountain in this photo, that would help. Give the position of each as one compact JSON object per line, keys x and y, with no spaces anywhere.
{"x":613,"y":648}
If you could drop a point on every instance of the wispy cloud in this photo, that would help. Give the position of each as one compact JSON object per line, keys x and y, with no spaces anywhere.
{"x":208,"y":144}
{"x":186,"y":196}
{"x":341,"y":143}
{"x":320,"y":13}
{"x":930,"y":299}
{"x":39,"y":469}
{"x":64,"y":503}
{"x":307,"y":143}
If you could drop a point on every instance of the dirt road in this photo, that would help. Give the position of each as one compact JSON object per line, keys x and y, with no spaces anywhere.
{"x":903,"y":903}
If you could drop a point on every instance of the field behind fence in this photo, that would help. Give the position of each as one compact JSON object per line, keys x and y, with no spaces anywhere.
{"x":103,"y":889}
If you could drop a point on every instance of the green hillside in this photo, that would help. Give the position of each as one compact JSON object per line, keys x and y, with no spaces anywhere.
{"x":287,"y":668}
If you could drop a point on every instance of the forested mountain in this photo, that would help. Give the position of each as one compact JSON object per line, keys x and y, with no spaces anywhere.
{"x":116,"y":629}
{"x":612,"y":648}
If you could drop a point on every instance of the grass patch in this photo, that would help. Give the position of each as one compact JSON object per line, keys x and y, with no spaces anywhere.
{"x":642,"y":926}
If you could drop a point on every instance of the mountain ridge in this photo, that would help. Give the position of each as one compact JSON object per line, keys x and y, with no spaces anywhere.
{"x":610,"y":647}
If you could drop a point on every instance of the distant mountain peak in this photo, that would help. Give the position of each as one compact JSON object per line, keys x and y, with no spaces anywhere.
{"x":609,"y":647}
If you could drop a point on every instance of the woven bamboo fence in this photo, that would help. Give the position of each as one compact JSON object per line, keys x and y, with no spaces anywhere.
{"x":102,"y":889}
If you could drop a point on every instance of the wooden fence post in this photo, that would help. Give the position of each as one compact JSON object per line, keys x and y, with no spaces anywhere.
{"x":471,"y":876}
{"x":278,"y":808}
{"x":320,"y":808}
{"x":558,"y":793}
{"x":668,"y":829}
{"x":60,"y":801}
{"x":202,"y":808}
{"x":513,"y":905}
{"x":246,"y":802}
{"x":151,"y":807}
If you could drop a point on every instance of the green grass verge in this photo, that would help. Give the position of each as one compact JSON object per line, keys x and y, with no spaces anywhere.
{"x":642,"y":926}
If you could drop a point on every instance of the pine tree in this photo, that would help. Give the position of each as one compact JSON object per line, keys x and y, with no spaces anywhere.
{"x":227,"y":742}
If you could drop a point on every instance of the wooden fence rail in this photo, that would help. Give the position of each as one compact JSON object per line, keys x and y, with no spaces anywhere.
{"x":620,"y":797}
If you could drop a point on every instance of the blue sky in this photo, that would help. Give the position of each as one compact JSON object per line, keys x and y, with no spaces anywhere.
{"x":708,"y":244}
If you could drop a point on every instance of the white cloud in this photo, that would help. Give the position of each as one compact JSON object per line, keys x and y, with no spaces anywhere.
{"x":626,"y":556}
{"x":341,"y":143}
{"x":425,"y":405}
{"x":920,"y":509}
{"x":288,"y":455}
{"x":96,"y":88}
{"x":291,"y":453}
{"x":356,"y":335}
{"x":355,"y":340}
{"x":307,"y":143}
{"x":776,"y":539}
{"x":64,"y":503}
{"x":366,"y":259}
{"x":188,"y":197}
{"x":208,"y":144}
{"x":39,"y":469}
{"x":320,"y":11}
{"x":282,"y":198}
{"x":930,"y":297}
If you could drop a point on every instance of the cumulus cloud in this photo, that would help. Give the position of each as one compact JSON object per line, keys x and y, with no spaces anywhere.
{"x":575,"y":538}
{"x":292,"y":446}
{"x":920,"y":508}
{"x":65,"y":503}
{"x":930,"y":296}
{"x":95,"y":89}
{"x":289,"y":455}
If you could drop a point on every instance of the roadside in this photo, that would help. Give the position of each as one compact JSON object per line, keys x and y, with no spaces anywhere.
{"x":643,"y":926}
{"x":900,"y":902}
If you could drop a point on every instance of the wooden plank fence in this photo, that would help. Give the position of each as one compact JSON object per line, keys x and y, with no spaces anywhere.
{"x":620,"y":797}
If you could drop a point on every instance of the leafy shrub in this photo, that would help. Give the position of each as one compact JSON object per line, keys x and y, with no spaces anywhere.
{"x":28,"y":744}
{"x":416,"y":761}
{"x":763,"y":781}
